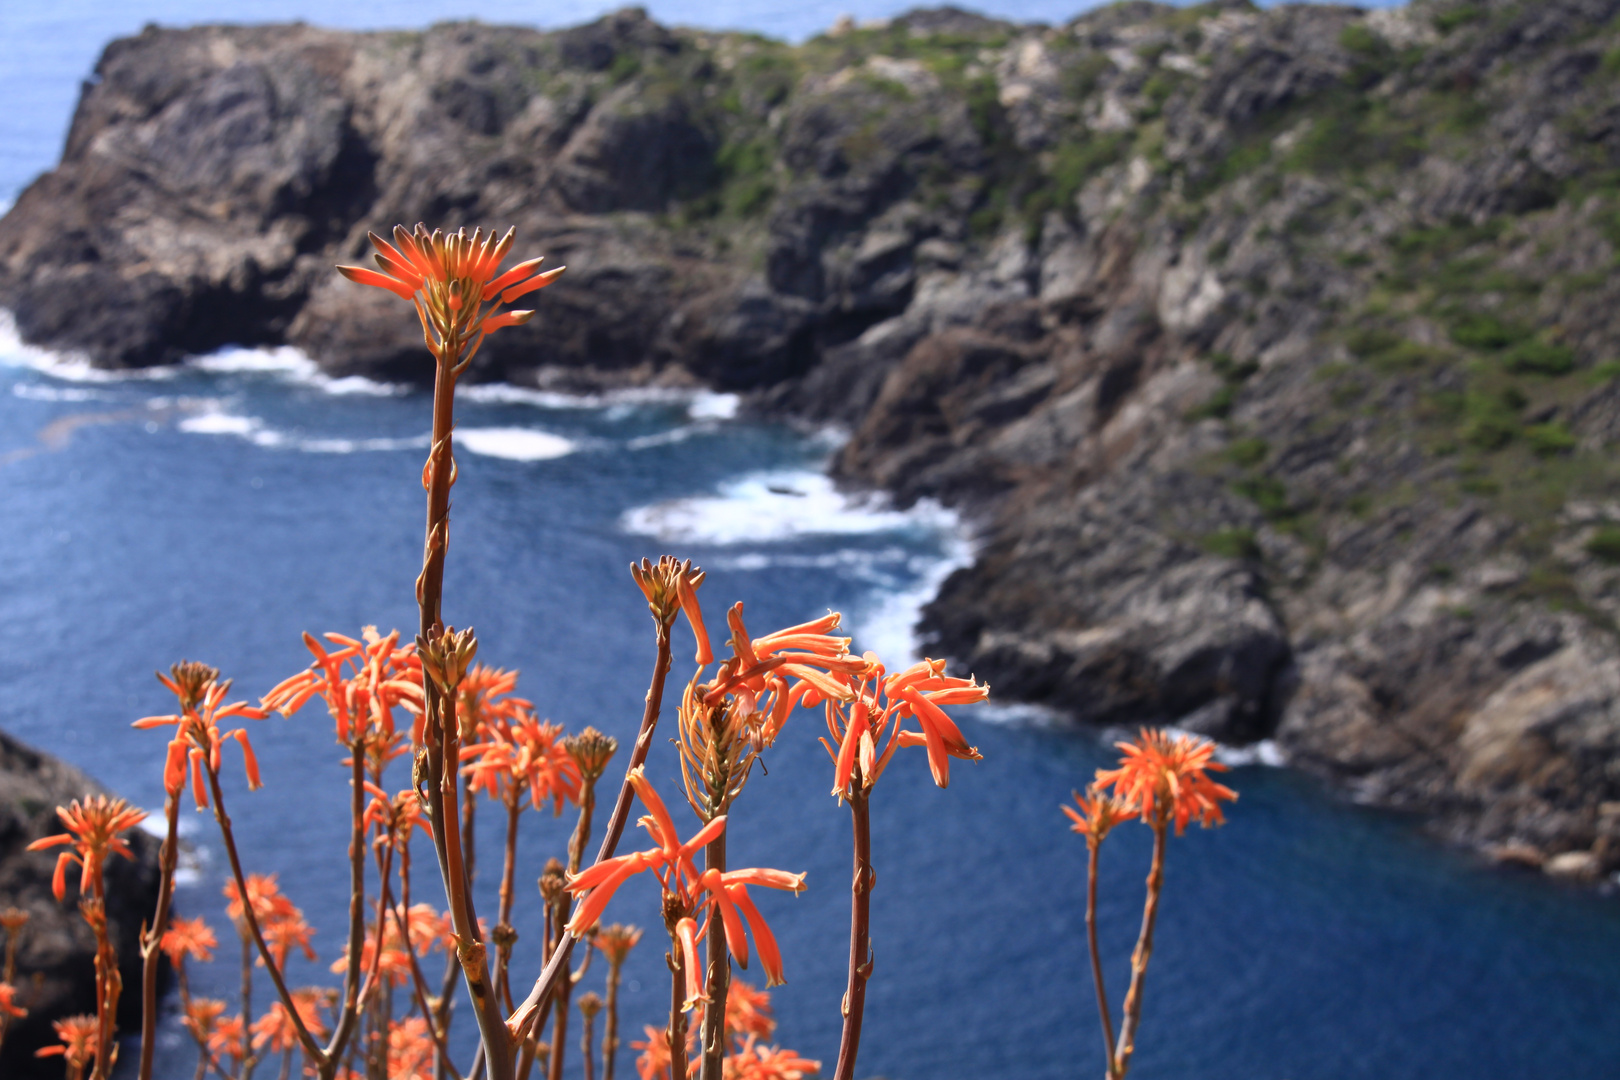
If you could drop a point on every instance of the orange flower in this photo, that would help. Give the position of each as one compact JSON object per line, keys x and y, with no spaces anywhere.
{"x":755,"y":1062}
{"x":671,"y":862}
{"x":381,"y":676}
{"x":527,"y":753}
{"x":276,"y":1027}
{"x":198,"y":737}
{"x":880,"y":704}
{"x":1167,"y":776}
{"x":201,"y":1015}
{"x":653,"y":1063}
{"x":188,"y":937}
{"x":748,"y":1012}
{"x":8,"y":1002}
{"x":670,"y":585}
{"x":1097,"y":814}
{"x":450,"y":279}
{"x":483,"y":695}
{"x":229,"y":1037}
{"x":79,"y":1037}
{"x":93,"y":827}
{"x":280,"y":920}
{"x":410,"y":1050}
{"x":13,"y":919}
{"x":397,"y":818}
{"x":616,"y":941}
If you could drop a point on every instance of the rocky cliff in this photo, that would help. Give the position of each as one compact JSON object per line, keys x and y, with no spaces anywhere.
{"x":1272,"y":352}
{"x":56,"y":954}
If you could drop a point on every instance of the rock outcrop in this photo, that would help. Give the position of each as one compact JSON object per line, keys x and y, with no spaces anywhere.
{"x":1271,"y":352}
{"x":56,"y":955}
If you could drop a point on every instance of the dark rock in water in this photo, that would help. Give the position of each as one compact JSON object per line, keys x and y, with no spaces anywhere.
{"x":56,"y":960}
{"x":1270,"y":352}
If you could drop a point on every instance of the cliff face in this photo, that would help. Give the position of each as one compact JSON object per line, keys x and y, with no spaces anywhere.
{"x":1272,"y":352}
{"x":56,"y":957}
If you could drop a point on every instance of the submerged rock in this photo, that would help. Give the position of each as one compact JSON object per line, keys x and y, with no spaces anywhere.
{"x":1270,"y":351}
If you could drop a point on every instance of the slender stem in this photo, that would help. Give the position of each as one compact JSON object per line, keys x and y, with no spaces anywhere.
{"x":523,"y":1019}
{"x":559,"y":1030}
{"x":418,"y":980}
{"x":1132,"y":1013}
{"x":168,"y":857}
{"x":713,"y":1045}
{"x":587,"y":1037}
{"x":503,"y":943}
{"x":860,"y":930}
{"x":247,"y":999}
{"x":323,"y":1063}
{"x":675,"y":1034}
{"x":610,"y":1036}
{"x":348,"y":1015}
{"x":470,"y":949}
{"x":108,"y":980}
{"x":1096,"y":959}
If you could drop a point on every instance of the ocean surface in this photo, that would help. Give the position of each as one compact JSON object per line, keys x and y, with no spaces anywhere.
{"x":217,"y":510}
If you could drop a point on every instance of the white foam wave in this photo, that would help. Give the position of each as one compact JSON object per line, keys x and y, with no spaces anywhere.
{"x":43,"y":392}
{"x":889,"y":627}
{"x":1265,"y":752}
{"x":215,"y":421}
{"x":514,"y":444}
{"x":711,"y":406}
{"x":670,"y":437}
{"x":69,"y":367}
{"x":774,"y":506}
{"x":291,"y":365}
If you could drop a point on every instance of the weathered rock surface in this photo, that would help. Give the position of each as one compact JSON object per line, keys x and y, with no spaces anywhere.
{"x":55,"y":960}
{"x":1271,"y":352}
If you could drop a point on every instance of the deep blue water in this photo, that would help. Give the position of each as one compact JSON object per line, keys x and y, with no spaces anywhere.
{"x":217,"y":514}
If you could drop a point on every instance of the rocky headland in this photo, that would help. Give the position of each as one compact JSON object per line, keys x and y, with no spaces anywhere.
{"x":55,"y":957}
{"x":1273,"y":353}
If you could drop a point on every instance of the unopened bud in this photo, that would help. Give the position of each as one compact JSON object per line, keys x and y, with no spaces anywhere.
{"x":553,"y":882}
{"x":591,"y":751}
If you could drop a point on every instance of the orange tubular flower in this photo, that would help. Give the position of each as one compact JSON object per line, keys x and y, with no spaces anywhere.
{"x":755,"y":1062}
{"x":1167,"y":777}
{"x":451,"y":278}
{"x":672,"y":862}
{"x":483,"y":696}
{"x":198,"y":738}
{"x":188,"y":938}
{"x":229,"y":1037}
{"x":395,"y":819}
{"x":8,"y":1002}
{"x":525,"y":754}
{"x":79,"y":1037}
{"x":280,"y":920}
{"x":869,"y":731}
{"x":748,"y":1012}
{"x":653,"y":1063}
{"x":410,"y":1050}
{"x":276,"y":1027}
{"x":616,"y":941}
{"x":93,"y":827}
{"x":201,"y":1016}
{"x":1097,"y":815}
{"x":381,"y":676}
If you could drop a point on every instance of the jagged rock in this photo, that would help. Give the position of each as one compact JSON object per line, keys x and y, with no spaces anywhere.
{"x":1266,"y":349}
{"x":55,"y":963}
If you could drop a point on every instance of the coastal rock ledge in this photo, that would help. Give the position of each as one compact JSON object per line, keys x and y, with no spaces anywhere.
{"x":56,"y":957}
{"x":1272,"y":352}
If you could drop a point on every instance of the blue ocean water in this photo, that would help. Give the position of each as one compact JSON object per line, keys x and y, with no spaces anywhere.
{"x":216,"y":511}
